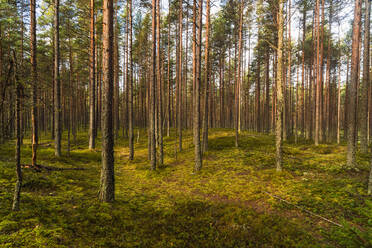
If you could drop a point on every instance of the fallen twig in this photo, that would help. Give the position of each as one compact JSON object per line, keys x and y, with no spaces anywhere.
{"x":303,"y":209}
{"x":51,"y":168}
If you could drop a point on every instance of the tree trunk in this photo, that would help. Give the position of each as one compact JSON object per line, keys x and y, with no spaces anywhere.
{"x":152,"y":90}
{"x":33,"y":48}
{"x":197,"y":80}
{"x":328,"y":78}
{"x":303,"y":72}
{"x":57,"y":84}
{"x":279,"y":91}
{"x":92,"y":127}
{"x":107,"y":185}
{"x":206,"y":82}
{"x":352,"y":106}
{"x":130,"y":86}
{"x":159,"y":91}
{"x":238,"y":82}
{"x":366,"y":82}
{"x":179,"y":82}
{"x":17,"y":190}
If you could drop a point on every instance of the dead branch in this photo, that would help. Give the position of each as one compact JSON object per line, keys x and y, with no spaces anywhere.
{"x":303,"y":209}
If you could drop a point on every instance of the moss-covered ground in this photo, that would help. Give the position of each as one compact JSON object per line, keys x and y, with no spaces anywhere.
{"x":233,"y":202}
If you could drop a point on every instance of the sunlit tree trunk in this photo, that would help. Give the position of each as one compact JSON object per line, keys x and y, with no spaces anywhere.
{"x":279,"y":91}
{"x":92,"y":122}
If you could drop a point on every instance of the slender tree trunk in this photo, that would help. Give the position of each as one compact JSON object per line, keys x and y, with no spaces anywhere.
{"x":159,"y":91}
{"x":92,"y":127}
{"x":279,"y":91}
{"x":339,"y":103}
{"x":179,"y":77}
{"x":57,"y":84}
{"x":152,"y":90}
{"x":238,"y":82}
{"x":328,"y":77}
{"x":17,"y":190}
{"x":107,"y":185}
{"x":130,"y":88}
{"x":303,"y":72}
{"x":116,"y":72}
{"x":352,"y":106}
{"x":206,"y":82}
{"x":318,"y":71}
{"x":197,"y":21}
{"x":34,"y":110}
{"x":366,"y":81}
{"x":169,"y":81}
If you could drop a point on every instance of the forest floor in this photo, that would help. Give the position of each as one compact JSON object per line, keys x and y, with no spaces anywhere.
{"x":235,"y":201}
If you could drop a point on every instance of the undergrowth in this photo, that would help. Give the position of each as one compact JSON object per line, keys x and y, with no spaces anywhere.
{"x":233,"y":202}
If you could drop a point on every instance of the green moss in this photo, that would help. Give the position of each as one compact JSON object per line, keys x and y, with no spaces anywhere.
{"x":225,"y":205}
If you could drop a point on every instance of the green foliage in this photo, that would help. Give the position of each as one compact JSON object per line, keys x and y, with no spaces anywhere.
{"x":229,"y":203}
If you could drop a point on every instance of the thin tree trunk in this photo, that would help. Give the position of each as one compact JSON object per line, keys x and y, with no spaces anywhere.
{"x":197,"y":81}
{"x":159,"y":91}
{"x":206,"y":82}
{"x":34,"y":110}
{"x":328,"y":78}
{"x":169,"y":81}
{"x":238,"y":82}
{"x":152,"y":90}
{"x":130,"y":88}
{"x":279,"y":91}
{"x":179,"y":82}
{"x":303,"y":72}
{"x":92,"y":127}
{"x":57,"y":84}
{"x":17,"y":189}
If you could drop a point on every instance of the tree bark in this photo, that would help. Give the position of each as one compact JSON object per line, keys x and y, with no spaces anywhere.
{"x":92,"y":127}
{"x":352,"y":106}
{"x":159,"y":91}
{"x":57,"y":84}
{"x":152,"y":90}
{"x":197,"y":21}
{"x":279,"y":91}
{"x":206,"y":82}
{"x":107,"y":185}
{"x":17,"y":189}
{"x":366,"y":83}
{"x":238,"y":82}
{"x":179,"y":77}
{"x":130,"y":87}
{"x":34,"y":109}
